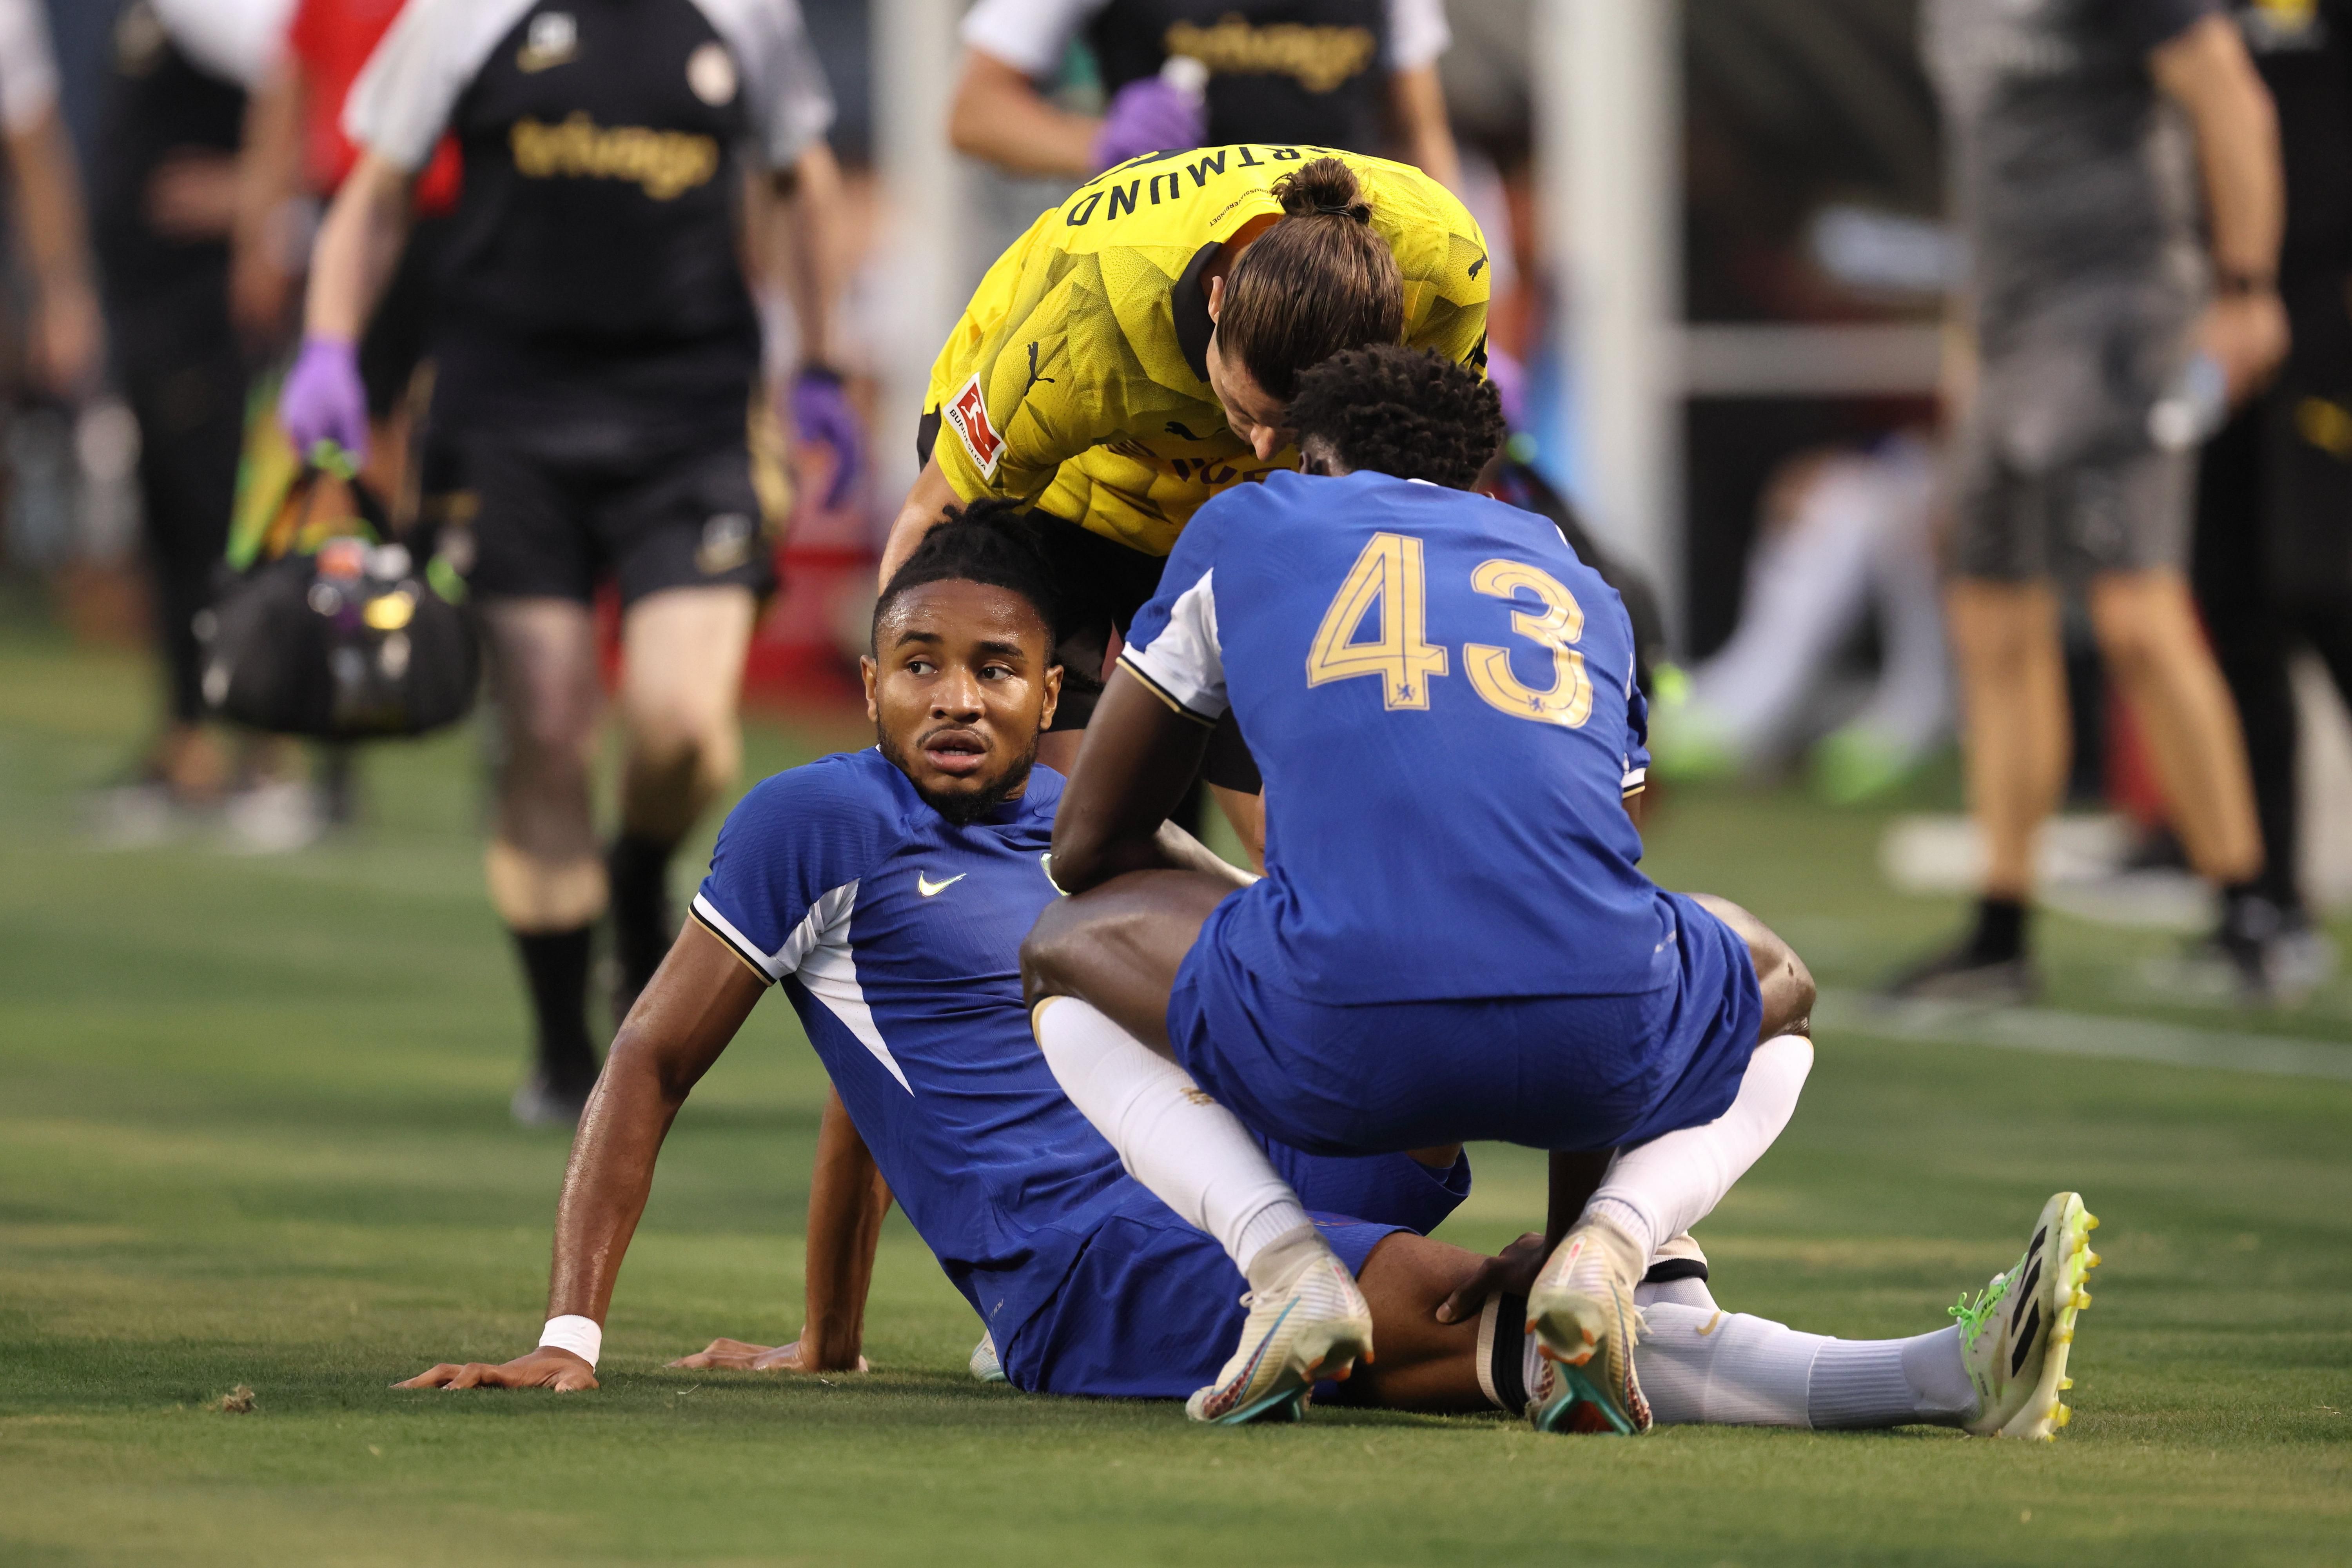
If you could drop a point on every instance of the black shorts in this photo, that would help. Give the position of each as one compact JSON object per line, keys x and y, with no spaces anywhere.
{"x":1102,"y":584}
{"x":554,"y":511}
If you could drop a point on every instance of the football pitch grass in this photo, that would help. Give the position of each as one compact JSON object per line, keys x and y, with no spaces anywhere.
{"x":253,"y":1131}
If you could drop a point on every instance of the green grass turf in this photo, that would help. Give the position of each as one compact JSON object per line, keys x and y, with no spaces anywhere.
{"x":253,"y":1130}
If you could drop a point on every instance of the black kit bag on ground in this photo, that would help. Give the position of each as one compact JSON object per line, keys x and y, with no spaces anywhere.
{"x":327,"y":633}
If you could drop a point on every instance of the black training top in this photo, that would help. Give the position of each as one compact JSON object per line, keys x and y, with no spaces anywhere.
{"x":2305,"y":55}
{"x":1304,"y":72}
{"x":593,"y":258}
{"x":158,"y":105}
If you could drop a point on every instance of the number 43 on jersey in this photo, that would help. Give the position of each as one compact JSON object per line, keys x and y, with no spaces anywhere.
{"x":1390,"y":575}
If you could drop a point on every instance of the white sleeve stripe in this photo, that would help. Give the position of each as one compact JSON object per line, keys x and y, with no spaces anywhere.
{"x":29,"y":67}
{"x":1418,"y":34}
{"x":1185,"y":662}
{"x":783,"y":82}
{"x":401,"y":103}
{"x":724,"y":930}
{"x":1160,"y":692}
{"x":818,"y":952}
{"x":237,"y":42}
{"x":1030,"y":36}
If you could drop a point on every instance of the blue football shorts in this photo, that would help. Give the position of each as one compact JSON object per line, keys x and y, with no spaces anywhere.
{"x":1150,"y":1309}
{"x":1549,"y":1072}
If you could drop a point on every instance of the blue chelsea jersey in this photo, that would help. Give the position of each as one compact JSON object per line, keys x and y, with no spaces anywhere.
{"x":897,"y":935}
{"x":1441,"y":697}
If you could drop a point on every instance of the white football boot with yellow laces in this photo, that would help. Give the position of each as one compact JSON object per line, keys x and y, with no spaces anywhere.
{"x":1317,"y":1325}
{"x":2015,"y":1336}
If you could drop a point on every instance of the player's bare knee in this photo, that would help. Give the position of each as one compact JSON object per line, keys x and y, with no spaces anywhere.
{"x":2138,"y":625}
{"x":1787,"y":985}
{"x":555,"y":736}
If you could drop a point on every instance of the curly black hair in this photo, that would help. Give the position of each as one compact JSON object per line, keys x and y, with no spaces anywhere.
{"x":1394,"y":410}
{"x":993,"y":542}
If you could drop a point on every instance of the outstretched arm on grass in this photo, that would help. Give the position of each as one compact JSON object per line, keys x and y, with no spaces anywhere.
{"x":685,"y":1018}
{"x":847,"y":1198}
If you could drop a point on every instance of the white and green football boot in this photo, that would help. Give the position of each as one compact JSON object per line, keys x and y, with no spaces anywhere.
{"x":985,"y":1366}
{"x":2014,"y":1337}
{"x":1318,"y":1325}
{"x":1582,"y":1314}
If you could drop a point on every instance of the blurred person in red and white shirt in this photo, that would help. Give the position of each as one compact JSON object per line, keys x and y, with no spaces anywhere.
{"x":297,"y":155}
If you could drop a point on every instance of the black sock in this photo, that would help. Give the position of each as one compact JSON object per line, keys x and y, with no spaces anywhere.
{"x":2249,"y":913}
{"x":555,"y":965}
{"x":638,"y":870}
{"x":2001,"y":930}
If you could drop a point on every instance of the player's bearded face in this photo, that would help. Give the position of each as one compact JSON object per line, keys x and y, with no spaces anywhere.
{"x":960,"y":687}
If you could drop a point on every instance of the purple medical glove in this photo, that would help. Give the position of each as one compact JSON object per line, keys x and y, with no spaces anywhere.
{"x":322,"y":400}
{"x":1148,"y":116}
{"x":1508,"y":377}
{"x":821,"y":412}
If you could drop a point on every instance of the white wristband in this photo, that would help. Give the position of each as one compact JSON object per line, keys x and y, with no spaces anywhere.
{"x":584,"y":1337}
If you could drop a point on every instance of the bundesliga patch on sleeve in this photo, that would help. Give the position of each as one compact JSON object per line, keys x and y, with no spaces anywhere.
{"x":968,"y":412}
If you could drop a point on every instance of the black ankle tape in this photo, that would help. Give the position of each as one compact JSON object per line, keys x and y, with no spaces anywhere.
{"x":1503,"y":1348}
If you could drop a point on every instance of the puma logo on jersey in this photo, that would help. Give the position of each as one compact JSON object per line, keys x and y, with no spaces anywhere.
{"x":931,"y":890}
{"x":1034,"y":377}
{"x":968,"y":414}
{"x":553,"y":40}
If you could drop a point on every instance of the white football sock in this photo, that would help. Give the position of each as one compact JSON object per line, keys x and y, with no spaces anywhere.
{"x":1671,"y":1183}
{"x":1725,"y":1369}
{"x":1729,"y":1369}
{"x":1193,"y":1153}
{"x":1689,"y":1292}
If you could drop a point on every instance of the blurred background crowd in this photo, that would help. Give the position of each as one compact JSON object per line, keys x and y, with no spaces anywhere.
{"x":1768,"y":310}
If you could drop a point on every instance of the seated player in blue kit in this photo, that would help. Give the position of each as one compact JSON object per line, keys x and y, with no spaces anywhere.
{"x":888,"y":891}
{"x":1452,"y":940}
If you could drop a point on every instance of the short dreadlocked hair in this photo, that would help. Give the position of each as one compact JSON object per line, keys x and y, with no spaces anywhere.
{"x":1394,"y":410}
{"x":993,"y":542}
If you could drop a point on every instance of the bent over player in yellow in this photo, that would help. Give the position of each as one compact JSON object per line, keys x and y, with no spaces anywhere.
{"x":1132,"y":355}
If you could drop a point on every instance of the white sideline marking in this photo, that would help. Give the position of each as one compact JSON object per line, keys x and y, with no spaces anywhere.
{"x":2082,"y":1035}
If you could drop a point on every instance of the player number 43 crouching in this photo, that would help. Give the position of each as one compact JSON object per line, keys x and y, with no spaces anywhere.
{"x":1452,"y":940}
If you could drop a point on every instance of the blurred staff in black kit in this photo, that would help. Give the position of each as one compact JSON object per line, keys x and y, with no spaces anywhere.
{"x":2272,"y":565}
{"x":1359,"y":75}
{"x":164,"y":201}
{"x":598,"y":416}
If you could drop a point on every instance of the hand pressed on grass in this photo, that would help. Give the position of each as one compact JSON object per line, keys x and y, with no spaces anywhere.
{"x":736,"y":1355}
{"x":546,"y":1367}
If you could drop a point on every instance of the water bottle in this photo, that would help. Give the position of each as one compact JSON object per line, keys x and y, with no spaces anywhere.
{"x":2194,"y":408}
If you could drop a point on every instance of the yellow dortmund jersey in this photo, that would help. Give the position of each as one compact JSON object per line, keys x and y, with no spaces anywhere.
{"x":1078,"y":379}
